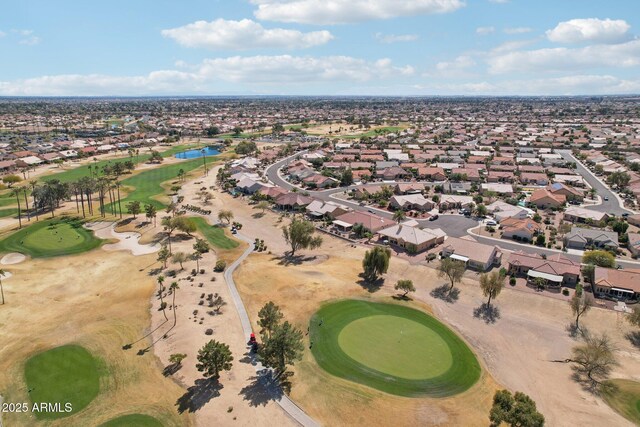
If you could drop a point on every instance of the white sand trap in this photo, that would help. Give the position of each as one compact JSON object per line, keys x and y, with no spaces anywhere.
{"x":7,"y":274}
{"x":127,"y":241}
{"x":12,"y":258}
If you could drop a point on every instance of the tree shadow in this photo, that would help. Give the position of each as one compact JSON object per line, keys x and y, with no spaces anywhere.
{"x":249,"y":359}
{"x":125,"y":221}
{"x":488,"y":313}
{"x":634,"y":338}
{"x":262,"y":389}
{"x":257,"y":215}
{"x":576,"y":332}
{"x":198,"y":395}
{"x":400,"y":297}
{"x":171,"y":369}
{"x":443,"y":293}
{"x":370,"y":285}
{"x":294,"y":260}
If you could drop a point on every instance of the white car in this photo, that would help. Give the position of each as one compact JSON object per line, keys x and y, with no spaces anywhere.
{"x":491,"y":223}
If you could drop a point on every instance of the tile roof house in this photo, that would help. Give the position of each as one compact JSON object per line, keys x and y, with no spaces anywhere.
{"x":581,"y":238}
{"x":319,"y":209}
{"x":557,"y":270}
{"x":477,"y":256}
{"x":543,"y":199}
{"x":371,"y":222}
{"x":292,"y":201}
{"x":411,"y":202}
{"x":569,"y":192}
{"x":578,"y":214}
{"x":617,"y":284}
{"x":634,"y":243}
{"x":413,"y":239}
{"x":520,"y":229}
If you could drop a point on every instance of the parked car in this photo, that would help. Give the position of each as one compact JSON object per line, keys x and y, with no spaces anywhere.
{"x":434,"y":217}
{"x":626,"y":214}
{"x":606,"y":198}
{"x":491,"y":223}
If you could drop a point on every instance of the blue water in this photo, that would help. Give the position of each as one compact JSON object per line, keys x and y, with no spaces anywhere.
{"x":193,"y":154}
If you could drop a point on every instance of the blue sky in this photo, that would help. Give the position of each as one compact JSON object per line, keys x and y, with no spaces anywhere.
{"x":320,"y":47}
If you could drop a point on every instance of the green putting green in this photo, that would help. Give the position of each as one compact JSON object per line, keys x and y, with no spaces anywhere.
{"x":54,"y":237}
{"x":214,"y":235}
{"x":67,"y":374}
{"x":624,"y":398}
{"x":392,"y":348}
{"x":133,"y":420}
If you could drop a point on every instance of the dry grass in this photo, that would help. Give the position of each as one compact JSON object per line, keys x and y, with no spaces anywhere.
{"x":99,"y":301}
{"x":300,"y":290}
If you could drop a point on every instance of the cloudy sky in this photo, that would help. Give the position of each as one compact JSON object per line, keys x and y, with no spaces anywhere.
{"x":320,"y":47}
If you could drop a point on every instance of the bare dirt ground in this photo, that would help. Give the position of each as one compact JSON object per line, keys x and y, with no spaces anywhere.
{"x":100,"y":301}
{"x":517,"y":350}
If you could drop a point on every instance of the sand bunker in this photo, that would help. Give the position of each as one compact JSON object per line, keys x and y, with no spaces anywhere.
{"x":128,"y":241}
{"x":12,"y":258}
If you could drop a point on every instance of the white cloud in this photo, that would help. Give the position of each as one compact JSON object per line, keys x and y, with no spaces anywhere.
{"x":517,"y":30}
{"x":30,"y":41}
{"x":570,"y":85}
{"x":257,"y":73}
{"x":483,"y":31}
{"x":242,"y":35}
{"x":499,"y":1}
{"x":558,"y":59}
{"x":345,"y":11}
{"x":510,"y":46}
{"x":28,"y":38}
{"x":589,"y":30}
{"x":395,"y":38}
{"x":460,"y":63}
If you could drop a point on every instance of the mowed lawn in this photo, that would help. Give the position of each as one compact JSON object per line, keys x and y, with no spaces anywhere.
{"x":624,"y":398}
{"x":214,"y":234}
{"x":146,"y":186}
{"x":133,"y":420}
{"x":53,"y":237}
{"x":81,"y":171}
{"x":67,"y":374}
{"x":393,"y":348}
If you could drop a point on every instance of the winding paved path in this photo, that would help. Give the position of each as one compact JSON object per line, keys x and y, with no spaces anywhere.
{"x":282,"y":399}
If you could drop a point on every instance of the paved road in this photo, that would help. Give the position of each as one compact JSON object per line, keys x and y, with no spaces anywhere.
{"x":266,"y":379}
{"x":456,"y":225}
{"x":453,"y":225}
{"x":611,"y":206}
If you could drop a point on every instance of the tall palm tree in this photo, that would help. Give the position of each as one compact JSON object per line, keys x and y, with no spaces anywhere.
{"x":16,"y":192}
{"x":2,"y":274}
{"x":174,"y":287}
{"x":161,"y":289}
{"x":119,"y":204}
{"x":26,"y":202}
{"x":34,"y":184}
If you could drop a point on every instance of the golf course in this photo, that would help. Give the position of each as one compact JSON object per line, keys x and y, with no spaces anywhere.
{"x":624,"y":397}
{"x":137,"y":420}
{"x":67,"y":374}
{"x":392,"y":348}
{"x":49,"y":238}
{"x":214,"y":234}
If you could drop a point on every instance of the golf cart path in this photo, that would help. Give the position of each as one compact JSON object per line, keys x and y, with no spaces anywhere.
{"x":128,"y":241}
{"x":271,"y":387}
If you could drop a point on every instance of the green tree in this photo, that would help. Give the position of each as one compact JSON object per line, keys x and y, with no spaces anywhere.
{"x":133,"y":208}
{"x":263,"y":206}
{"x":177,"y":358}
{"x":376,"y":263}
{"x":151,"y":212}
{"x":269,"y":317}
{"x":580,"y":304}
{"x":196,"y":256}
{"x":346,"y":178}
{"x":179,"y":258}
{"x":481,"y":210}
{"x":594,"y":360}
{"x":588,"y":272}
{"x":405,"y":286}
{"x":164,"y":255}
{"x":282,"y":348}
{"x":213,"y":131}
{"x":600,"y":258}
{"x":213,"y":358}
{"x":399,"y":215}
{"x":225,"y":216}
{"x":300,"y":234}
{"x":160,"y":281}
{"x":491,"y":284}
{"x":541,"y":240}
{"x":10,"y":180}
{"x":620,"y":227}
{"x":518,"y":411}
{"x":451,"y":269}
{"x":201,"y":246}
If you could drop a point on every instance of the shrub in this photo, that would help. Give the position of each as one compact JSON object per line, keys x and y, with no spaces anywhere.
{"x":220,"y":266}
{"x":565,"y":292}
{"x":208,"y":332}
{"x":512,"y":281}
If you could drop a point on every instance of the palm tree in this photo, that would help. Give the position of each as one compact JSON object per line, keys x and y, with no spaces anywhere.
{"x":16,"y":192}
{"x":174,"y":287}
{"x":399,"y":215}
{"x":26,"y":202}
{"x":2,"y":274}
{"x":161,"y":289}
{"x":34,"y":184}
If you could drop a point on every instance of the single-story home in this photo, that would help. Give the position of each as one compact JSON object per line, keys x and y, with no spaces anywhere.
{"x":617,"y":284}
{"x":556,"y":270}
{"x":411,"y":238}
{"x":475,"y":255}
{"x":411,"y":202}
{"x":520,"y":229}
{"x":578,"y":214}
{"x":371,"y":222}
{"x":543,"y":199}
{"x":581,"y":238}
